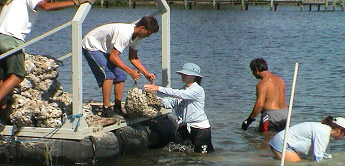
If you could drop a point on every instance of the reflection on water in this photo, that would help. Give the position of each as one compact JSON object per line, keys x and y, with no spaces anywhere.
{"x":223,"y":42}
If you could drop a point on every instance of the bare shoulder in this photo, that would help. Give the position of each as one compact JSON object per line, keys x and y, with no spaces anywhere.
{"x":263,"y":84}
{"x":278,"y":79}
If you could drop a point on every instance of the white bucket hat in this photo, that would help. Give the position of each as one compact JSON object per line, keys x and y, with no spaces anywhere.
{"x":340,"y":121}
{"x":190,"y":69}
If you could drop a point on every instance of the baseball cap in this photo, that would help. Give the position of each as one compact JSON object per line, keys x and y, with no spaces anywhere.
{"x":340,"y":121}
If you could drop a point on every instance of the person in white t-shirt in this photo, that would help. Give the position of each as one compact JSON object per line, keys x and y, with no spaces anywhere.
{"x":102,"y":47}
{"x":16,"y":20}
{"x":309,"y":139}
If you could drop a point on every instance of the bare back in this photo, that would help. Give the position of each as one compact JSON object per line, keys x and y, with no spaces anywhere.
{"x":274,"y":87}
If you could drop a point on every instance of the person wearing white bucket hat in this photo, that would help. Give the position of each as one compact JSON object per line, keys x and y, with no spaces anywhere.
{"x":309,"y":139}
{"x":188,"y":104}
{"x":190,"y":69}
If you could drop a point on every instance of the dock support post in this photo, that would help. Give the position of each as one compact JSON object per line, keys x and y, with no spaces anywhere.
{"x":218,"y":6}
{"x":271,"y":5}
{"x":301,"y":6}
{"x":334,"y":5}
{"x":318,"y":7}
{"x":214,"y":4}
{"x":310,"y":7}
{"x":326,"y":5}
{"x":243,"y":4}
{"x":131,"y":4}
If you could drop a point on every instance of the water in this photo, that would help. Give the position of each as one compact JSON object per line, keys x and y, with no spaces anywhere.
{"x":223,"y":42}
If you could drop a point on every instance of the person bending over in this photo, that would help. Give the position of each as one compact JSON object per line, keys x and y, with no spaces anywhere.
{"x":309,"y":139}
{"x":102,"y":47}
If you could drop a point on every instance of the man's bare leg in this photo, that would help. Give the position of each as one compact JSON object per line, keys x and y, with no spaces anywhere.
{"x":118,"y":91}
{"x":7,"y":86}
{"x":106,"y":92}
{"x":2,"y":102}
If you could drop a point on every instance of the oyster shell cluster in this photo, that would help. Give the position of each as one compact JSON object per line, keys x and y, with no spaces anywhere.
{"x":39,"y":100}
{"x":142,"y":104}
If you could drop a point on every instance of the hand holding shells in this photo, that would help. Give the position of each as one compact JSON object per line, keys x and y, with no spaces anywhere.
{"x":135,"y":75}
{"x":150,"y":77}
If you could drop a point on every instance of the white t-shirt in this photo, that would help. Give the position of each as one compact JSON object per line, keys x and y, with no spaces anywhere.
{"x":17,"y":17}
{"x":106,"y":37}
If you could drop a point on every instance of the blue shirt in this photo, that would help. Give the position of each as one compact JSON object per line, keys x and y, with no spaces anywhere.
{"x":188,"y":103}
{"x":308,"y":138}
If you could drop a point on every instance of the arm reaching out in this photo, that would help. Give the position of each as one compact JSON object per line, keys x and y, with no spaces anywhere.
{"x":116,"y":60}
{"x":133,"y":57}
{"x":78,"y":2}
{"x":258,"y":107}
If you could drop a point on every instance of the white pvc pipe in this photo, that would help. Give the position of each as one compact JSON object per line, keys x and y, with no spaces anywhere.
{"x":289,"y":114}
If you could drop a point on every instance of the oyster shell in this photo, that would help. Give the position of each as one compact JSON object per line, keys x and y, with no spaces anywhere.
{"x":142,"y":104}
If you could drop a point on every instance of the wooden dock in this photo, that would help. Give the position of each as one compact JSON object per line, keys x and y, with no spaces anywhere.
{"x":244,"y":4}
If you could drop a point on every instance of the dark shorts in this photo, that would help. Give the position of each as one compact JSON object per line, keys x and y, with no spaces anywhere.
{"x":102,"y":68}
{"x":273,"y":120}
{"x":12,"y":64}
{"x":200,"y":138}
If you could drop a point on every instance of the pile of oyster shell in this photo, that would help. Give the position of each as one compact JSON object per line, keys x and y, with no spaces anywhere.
{"x":39,"y":99}
{"x":142,"y":104}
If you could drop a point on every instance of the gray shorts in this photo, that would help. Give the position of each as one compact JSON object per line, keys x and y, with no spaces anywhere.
{"x":273,"y":120}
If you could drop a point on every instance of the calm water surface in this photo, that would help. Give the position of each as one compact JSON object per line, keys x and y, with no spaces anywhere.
{"x":223,"y":42}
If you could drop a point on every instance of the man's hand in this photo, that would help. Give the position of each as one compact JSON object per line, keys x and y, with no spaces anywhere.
{"x":246,"y":123}
{"x":135,"y":75}
{"x":151,"y":87}
{"x":150,"y":77}
{"x":79,"y":2}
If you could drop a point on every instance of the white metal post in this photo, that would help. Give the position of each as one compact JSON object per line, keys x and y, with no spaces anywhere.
{"x":289,"y":114}
{"x":165,"y":9}
{"x":77,"y":87}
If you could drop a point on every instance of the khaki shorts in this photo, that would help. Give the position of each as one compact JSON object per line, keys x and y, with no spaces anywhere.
{"x":14,"y":63}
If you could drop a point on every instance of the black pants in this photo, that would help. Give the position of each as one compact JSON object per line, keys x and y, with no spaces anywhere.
{"x":200,"y":138}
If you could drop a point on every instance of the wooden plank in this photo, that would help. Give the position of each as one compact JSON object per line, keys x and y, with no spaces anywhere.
{"x":108,"y":124}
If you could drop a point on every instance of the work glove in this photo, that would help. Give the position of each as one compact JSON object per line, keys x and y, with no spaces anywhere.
{"x":246,"y":123}
{"x":79,"y":2}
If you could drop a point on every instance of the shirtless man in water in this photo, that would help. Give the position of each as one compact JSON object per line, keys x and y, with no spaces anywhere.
{"x":270,"y":99}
